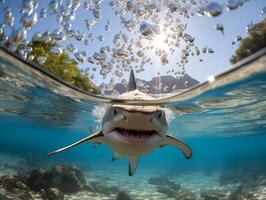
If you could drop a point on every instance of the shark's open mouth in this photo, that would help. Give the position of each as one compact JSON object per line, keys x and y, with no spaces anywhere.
{"x":136,"y":136}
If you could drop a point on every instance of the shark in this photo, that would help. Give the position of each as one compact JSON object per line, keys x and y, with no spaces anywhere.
{"x":133,"y":131}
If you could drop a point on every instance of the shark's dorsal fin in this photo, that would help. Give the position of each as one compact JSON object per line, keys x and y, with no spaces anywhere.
{"x":115,"y":156}
{"x":95,"y":137}
{"x":133,"y":164}
{"x":171,"y":140}
{"x":132,"y":82}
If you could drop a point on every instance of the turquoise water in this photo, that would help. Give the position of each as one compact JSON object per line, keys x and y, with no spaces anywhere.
{"x":225,"y":127}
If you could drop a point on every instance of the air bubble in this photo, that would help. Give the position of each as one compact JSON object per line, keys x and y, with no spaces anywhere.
{"x":232,"y":4}
{"x":220,"y":27}
{"x":107,"y":27}
{"x":99,"y":56}
{"x":56,"y":50}
{"x":213,"y":9}
{"x":41,"y":60}
{"x":79,"y":56}
{"x":18,"y":35}
{"x":90,"y":23}
{"x":263,"y":11}
{"x":249,"y":27}
{"x":9,"y":19}
{"x":210,"y":50}
{"x":120,"y":53}
{"x":238,"y":38}
{"x":188,"y":38}
{"x":71,"y":47}
{"x":204,"y":49}
{"x":101,"y":38}
{"x":149,"y":30}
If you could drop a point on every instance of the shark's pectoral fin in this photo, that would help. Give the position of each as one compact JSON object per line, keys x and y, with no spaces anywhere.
{"x":170,"y":140}
{"x":115,"y":156}
{"x":95,"y":137}
{"x":133,"y":164}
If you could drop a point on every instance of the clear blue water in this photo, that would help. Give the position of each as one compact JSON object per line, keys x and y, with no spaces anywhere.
{"x":225,"y":127}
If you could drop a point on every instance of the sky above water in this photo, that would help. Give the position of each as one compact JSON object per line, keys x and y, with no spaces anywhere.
{"x":202,"y":28}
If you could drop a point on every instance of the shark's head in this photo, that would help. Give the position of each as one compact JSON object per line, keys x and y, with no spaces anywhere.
{"x":132,"y":129}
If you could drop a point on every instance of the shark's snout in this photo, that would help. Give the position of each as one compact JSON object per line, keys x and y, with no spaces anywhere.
{"x":135,"y":125}
{"x":151,"y":117}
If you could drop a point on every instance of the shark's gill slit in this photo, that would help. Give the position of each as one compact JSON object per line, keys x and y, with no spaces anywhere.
{"x":133,"y":131}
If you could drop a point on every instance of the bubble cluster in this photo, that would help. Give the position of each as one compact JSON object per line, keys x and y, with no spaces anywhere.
{"x":148,"y":30}
{"x":151,"y":33}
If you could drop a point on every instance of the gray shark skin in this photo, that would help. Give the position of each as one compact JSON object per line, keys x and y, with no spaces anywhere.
{"x":133,"y":131}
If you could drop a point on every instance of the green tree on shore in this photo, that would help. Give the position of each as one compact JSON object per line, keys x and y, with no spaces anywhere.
{"x":62,"y":66}
{"x":255,"y":41}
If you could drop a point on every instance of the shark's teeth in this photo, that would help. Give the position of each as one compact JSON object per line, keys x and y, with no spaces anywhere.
{"x":135,"y":130}
{"x":135,"y":133}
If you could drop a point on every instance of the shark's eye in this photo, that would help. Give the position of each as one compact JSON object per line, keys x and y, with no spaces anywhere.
{"x":160,"y":114}
{"x":115,"y":112}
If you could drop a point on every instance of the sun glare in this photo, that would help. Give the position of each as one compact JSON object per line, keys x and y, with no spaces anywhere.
{"x":159,"y":41}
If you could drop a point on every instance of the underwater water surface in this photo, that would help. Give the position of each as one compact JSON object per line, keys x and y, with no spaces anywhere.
{"x":223,"y":122}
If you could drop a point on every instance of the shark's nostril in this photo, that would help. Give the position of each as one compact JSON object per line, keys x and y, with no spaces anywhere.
{"x":124,"y":117}
{"x":115,"y":112}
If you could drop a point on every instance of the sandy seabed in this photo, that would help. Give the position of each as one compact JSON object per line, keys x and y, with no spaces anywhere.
{"x":149,"y":185}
